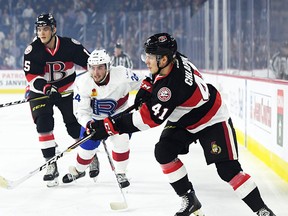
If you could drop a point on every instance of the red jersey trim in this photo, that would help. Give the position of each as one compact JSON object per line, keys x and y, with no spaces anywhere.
{"x":30,"y":77}
{"x":228,"y":143}
{"x":122,"y":101}
{"x":159,"y":77}
{"x":210,"y":114}
{"x":63,"y":88}
{"x":146,"y":117}
{"x":53,"y":52}
{"x":194,"y":99}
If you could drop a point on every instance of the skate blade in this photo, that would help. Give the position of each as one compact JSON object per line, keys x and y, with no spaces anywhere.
{"x":95,"y":179}
{"x":4,"y":182}
{"x":53,"y":183}
{"x":198,"y":213}
{"x":118,"y":205}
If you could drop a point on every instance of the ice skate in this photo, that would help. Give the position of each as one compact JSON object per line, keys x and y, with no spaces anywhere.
{"x":265,"y":211}
{"x":51,"y":175}
{"x":190,"y":205}
{"x":122,"y":180}
{"x":72,"y":175}
{"x":94,"y":168}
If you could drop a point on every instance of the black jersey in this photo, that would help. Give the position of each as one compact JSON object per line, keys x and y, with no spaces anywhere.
{"x":42,"y":65}
{"x":182,"y":97}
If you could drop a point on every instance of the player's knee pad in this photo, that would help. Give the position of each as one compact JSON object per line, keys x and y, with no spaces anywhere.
{"x":164,"y":152}
{"x":73,"y":129}
{"x":120,"y":143}
{"x":84,"y":154}
{"x":228,"y":169}
{"x":44,"y":123}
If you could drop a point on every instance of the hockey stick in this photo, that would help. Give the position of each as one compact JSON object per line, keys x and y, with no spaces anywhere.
{"x":33,"y":99}
{"x":115,"y":205}
{"x":10,"y":184}
{"x":81,"y":73}
{"x":118,"y":205}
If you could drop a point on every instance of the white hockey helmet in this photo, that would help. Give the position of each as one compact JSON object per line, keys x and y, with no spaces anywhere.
{"x":98,"y":57}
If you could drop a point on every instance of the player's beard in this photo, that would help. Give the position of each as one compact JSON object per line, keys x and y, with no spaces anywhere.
{"x":101,"y":80}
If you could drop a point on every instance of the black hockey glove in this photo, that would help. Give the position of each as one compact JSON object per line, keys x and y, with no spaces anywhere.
{"x":103,"y":128}
{"x":144,"y":93}
{"x":52,"y":93}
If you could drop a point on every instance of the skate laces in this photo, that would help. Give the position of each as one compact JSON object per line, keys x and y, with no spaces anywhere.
{"x":74,"y":172}
{"x":184,"y":204}
{"x":94,"y":164}
{"x":264,"y":212}
{"x":121,"y":177}
{"x":51,"y":169}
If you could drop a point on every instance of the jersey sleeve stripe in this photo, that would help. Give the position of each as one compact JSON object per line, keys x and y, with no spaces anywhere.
{"x":210,"y":114}
{"x":144,"y":111}
{"x":138,"y":122}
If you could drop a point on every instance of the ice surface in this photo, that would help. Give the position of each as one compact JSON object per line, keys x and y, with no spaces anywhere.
{"x":149,"y":193}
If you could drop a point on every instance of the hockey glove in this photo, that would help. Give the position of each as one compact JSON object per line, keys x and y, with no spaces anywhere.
{"x":144,"y":93}
{"x":103,"y":128}
{"x":27,"y":92}
{"x":52,"y":93}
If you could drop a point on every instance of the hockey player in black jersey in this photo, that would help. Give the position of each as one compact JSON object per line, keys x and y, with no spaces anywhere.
{"x":49,"y":66}
{"x":194,"y":110}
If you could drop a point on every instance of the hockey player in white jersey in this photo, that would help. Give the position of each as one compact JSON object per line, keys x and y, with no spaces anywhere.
{"x":100,"y":93}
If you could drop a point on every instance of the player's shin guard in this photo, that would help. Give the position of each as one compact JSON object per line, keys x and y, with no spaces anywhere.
{"x":246,"y":189}
{"x":121,"y":161}
{"x":48,"y":148}
{"x":178,"y":178}
{"x":242,"y":184}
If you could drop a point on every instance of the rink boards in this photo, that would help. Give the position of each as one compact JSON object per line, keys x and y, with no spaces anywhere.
{"x":259,"y":109}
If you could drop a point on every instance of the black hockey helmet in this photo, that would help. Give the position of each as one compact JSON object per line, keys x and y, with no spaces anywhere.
{"x":161,"y":44}
{"x":45,"y":20}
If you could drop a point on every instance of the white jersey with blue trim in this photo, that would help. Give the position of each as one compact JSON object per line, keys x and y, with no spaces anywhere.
{"x":92,"y":101}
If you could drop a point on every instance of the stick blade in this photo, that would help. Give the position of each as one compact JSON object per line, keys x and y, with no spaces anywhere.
{"x":118,"y":205}
{"x":4,"y":183}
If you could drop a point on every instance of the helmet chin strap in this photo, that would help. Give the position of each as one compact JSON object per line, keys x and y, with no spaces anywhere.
{"x":104,"y":79}
{"x":160,"y":68}
{"x":53,"y":35}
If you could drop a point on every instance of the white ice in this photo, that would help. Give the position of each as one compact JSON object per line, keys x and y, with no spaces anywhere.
{"x":149,"y":193}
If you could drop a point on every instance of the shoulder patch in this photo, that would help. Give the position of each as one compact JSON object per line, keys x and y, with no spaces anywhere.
{"x":28,"y":49}
{"x":75,"y":41}
{"x":164,"y":94}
